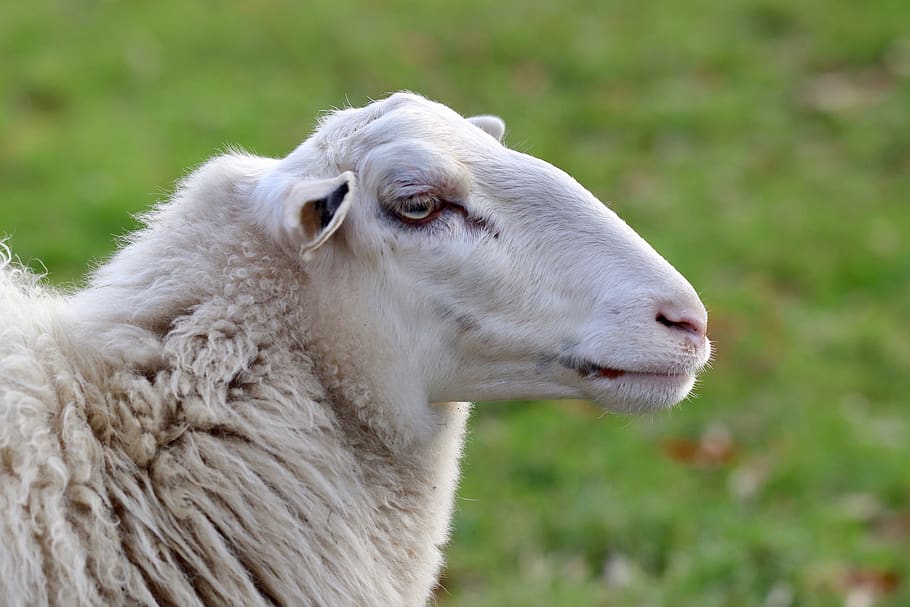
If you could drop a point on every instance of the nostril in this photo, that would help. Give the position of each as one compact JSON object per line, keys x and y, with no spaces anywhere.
{"x":689,"y":325}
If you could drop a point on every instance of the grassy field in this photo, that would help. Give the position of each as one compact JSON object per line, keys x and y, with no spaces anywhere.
{"x":762,"y":146}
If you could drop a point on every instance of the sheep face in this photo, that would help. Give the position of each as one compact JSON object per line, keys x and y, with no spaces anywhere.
{"x":458,"y":269}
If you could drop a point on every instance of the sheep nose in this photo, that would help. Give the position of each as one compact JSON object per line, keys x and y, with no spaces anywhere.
{"x":693,"y":321}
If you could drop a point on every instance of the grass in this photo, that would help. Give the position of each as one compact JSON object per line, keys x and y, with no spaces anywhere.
{"x":763,"y":146}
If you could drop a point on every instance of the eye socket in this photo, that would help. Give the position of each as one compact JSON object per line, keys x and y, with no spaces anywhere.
{"x":419,"y":210}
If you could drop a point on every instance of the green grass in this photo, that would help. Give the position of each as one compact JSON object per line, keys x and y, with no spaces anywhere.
{"x":763,"y":146}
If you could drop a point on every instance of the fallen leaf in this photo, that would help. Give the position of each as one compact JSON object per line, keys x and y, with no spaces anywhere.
{"x":714,"y":447}
{"x":874,"y":583}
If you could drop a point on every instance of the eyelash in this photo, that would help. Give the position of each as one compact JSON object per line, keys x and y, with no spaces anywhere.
{"x":417,"y":202}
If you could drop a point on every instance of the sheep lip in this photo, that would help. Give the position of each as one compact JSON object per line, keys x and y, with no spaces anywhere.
{"x":590,"y":370}
{"x":607,"y":372}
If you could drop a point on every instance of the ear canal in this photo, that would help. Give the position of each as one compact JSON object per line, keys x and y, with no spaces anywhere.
{"x":317,"y":215}
{"x":491,"y":125}
{"x":315,"y":209}
{"x":328,"y":206}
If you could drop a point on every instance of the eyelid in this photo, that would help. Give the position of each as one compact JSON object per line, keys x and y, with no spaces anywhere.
{"x":437,"y":205}
{"x":401,"y":201}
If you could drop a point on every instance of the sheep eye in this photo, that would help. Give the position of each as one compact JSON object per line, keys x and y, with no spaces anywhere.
{"x":419,"y":209}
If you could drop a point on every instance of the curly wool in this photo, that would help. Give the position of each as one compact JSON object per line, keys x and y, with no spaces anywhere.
{"x":180,"y":447}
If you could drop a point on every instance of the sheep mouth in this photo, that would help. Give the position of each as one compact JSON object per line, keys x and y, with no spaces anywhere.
{"x":587,"y":369}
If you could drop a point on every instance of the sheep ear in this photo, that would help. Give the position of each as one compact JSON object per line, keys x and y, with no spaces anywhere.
{"x":491,"y":125}
{"x":314,"y":209}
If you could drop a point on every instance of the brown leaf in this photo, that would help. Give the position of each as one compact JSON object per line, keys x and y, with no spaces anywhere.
{"x":876,"y":581}
{"x":715,"y":447}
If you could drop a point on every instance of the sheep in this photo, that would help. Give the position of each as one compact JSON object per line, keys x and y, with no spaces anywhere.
{"x":259,"y":400}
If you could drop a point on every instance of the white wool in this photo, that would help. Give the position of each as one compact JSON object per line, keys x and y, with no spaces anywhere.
{"x":248,"y":405}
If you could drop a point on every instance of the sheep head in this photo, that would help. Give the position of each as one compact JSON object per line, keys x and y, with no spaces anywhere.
{"x":459,"y":269}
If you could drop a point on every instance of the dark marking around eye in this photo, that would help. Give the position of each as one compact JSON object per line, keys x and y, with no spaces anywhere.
{"x":474,"y":223}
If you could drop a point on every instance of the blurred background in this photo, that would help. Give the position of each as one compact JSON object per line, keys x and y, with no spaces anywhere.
{"x":763,"y":146}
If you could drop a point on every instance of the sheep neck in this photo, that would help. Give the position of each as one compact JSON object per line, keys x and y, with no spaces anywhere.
{"x":235,"y":408}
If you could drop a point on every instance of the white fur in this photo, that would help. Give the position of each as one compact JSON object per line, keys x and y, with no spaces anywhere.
{"x":245,"y":409}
